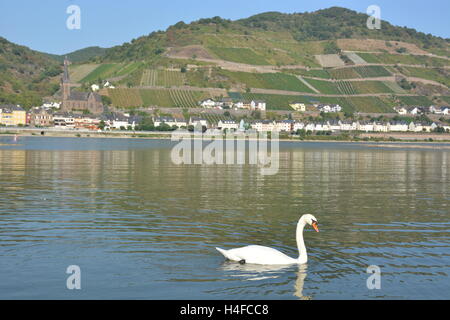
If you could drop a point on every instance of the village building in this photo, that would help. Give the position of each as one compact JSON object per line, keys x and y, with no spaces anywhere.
{"x":366,"y":126}
{"x":41,"y":117}
{"x":310,"y":127}
{"x":329,"y":108}
{"x":398,"y":126}
{"x":229,"y":125}
{"x":380,"y":127}
{"x":194,"y":121}
{"x":298,"y":126}
{"x":322,"y":127}
{"x":251,"y":105}
{"x":348,"y":125}
{"x":76,"y":100}
{"x":64,"y":120}
{"x":439,"y":110}
{"x":171,"y":122}
{"x":263,"y":125}
{"x":284,"y":126}
{"x":11,"y":115}
{"x":208,"y":103}
{"x":297,"y":106}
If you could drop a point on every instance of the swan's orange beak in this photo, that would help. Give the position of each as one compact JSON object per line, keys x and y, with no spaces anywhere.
{"x":315,"y":226}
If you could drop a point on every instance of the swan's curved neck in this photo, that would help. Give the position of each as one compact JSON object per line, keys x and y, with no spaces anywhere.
{"x":303,"y":258}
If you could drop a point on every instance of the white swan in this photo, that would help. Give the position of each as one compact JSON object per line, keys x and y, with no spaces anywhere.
{"x":269,"y":256}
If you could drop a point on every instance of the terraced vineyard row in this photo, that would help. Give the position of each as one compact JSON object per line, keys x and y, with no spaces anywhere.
{"x":187,"y":99}
{"x":110,"y":70}
{"x":370,"y":87}
{"x":149,"y":77}
{"x":277,"y":81}
{"x":162,"y":78}
{"x":165,"y":98}
{"x":344,"y":73}
{"x":346,"y":87}
{"x":415,"y":101}
{"x":370,"y":104}
{"x":372,"y":71}
{"x":325,"y":87}
{"x":125,"y":97}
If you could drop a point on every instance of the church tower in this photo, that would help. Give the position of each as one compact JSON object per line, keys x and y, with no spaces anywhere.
{"x":65,"y":81}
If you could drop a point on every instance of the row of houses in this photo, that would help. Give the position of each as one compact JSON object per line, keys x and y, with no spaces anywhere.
{"x":112,"y":121}
{"x":334,"y":126}
{"x":179,"y":122}
{"x":228,"y":103}
{"x":443,"y":110}
{"x":11,"y":115}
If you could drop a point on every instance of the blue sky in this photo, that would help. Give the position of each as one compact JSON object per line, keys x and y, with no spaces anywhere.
{"x":41,"y":25}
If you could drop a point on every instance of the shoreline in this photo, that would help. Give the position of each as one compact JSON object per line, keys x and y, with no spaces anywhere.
{"x":365,"y":138}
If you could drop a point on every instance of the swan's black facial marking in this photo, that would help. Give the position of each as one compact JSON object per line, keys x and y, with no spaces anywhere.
{"x":242,"y":261}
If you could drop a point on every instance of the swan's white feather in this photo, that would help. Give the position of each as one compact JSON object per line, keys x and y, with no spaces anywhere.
{"x":258,"y":255}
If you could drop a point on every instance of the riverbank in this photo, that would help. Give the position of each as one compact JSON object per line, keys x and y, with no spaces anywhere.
{"x":361,"y":137}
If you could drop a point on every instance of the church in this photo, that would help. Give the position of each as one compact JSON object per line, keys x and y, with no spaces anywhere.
{"x":76,"y":100}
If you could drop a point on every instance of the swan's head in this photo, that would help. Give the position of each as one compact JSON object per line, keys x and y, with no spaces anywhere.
{"x":312,"y":221}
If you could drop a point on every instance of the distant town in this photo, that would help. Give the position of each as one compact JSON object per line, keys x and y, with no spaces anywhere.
{"x":86,"y":111}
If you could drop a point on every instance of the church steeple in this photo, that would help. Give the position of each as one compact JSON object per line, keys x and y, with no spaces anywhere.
{"x":65,"y":81}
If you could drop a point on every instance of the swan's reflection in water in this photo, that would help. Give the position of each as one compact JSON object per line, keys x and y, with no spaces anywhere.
{"x":255,"y":272}
{"x":300,"y":282}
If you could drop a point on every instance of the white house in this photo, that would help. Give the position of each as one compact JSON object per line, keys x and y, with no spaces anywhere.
{"x":297,"y":106}
{"x":415,"y":127}
{"x":95,"y":87}
{"x":252,"y":105}
{"x":263,"y":125}
{"x":64,"y":120}
{"x":229,"y":125}
{"x":194,"y":121}
{"x":208,"y":103}
{"x":348,"y":126}
{"x":50,"y":105}
{"x":334,"y":125}
{"x":380,"y":127}
{"x":171,"y":122}
{"x":442,"y":110}
{"x":310,"y":127}
{"x":365,"y":126}
{"x":327,"y":108}
{"x":429,"y":127}
{"x":258,"y":105}
{"x":298,"y":126}
{"x":108,"y":85}
{"x":398,"y":126}
{"x":439,"y":110}
{"x":322,"y":127}
{"x":401,"y":110}
{"x":284,"y":126}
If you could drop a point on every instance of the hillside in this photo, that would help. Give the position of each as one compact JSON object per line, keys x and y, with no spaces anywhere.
{"x":325,"y":56}
{"x":81,"y":55}
{"x":26,"y":75}
{"x":328,"y":56}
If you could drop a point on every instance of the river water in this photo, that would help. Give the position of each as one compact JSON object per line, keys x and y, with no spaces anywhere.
{"x":140,"y":227}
